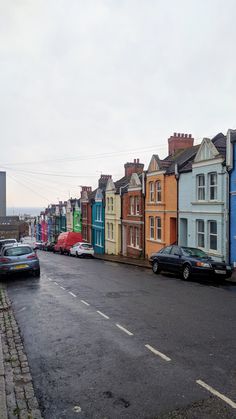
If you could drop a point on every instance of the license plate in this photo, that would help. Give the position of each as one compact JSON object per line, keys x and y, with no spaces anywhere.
{"x":20,"y":266}
{"x":220,"y":272}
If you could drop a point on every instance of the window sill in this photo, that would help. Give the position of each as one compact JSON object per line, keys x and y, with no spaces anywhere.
{"x":134,"y":215}
{"x":207,"y":202}
{"x":133,"y":247}
{"x":156,"y":241}
{"x":110,"y":240}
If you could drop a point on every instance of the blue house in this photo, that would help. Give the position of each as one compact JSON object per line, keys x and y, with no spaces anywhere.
{"x":98,"y":215}
{"x":203,"y":199}
{"x":231,"y":166}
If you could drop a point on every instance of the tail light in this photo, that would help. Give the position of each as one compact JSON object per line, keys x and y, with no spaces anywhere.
{"x":4,"y":260}
{"x":33,"y":256}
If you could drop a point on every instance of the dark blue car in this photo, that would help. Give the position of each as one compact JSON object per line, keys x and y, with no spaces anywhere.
{"x":188,"y":261}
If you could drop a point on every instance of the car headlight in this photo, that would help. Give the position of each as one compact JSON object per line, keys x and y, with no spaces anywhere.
{"x":203,"y":264}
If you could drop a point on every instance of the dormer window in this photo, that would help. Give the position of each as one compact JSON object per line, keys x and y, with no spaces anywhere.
{"x":201,"y":193}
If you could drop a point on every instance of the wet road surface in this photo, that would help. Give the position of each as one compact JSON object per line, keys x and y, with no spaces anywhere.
{"x":106,"y":340}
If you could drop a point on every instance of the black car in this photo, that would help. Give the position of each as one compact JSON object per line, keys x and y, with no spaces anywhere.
{"x":188,"y":261}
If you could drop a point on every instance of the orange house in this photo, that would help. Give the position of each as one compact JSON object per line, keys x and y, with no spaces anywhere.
{"x":161,"y":203}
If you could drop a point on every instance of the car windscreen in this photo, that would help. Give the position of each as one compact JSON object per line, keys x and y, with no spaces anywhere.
{"x":18,"y":251}
{"x":192,"y":252}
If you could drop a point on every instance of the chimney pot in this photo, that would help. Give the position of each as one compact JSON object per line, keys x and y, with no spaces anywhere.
{"x":134,"y":160}
{"x":175,"y":134}
{"x":137,"y":160}
{"x":178,"y":134}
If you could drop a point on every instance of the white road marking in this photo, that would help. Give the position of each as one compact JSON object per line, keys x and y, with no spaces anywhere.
{"x":163,"y":356}
{"x":216,"y":393}
{"x":124,"y":330}
{"x":85,"y":302}
{"x":102,"y":314}
{"x":55,"y":283}
{"x":62,"y":288}
{"x":77,"y":409}
{"x":73,"y":295}
{"x":49,"y":279}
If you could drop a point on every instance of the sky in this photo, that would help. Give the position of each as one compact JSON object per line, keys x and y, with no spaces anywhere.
{"x":88,"y":85}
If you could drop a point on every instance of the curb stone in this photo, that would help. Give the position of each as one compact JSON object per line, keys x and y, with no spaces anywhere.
{"x":17,"y":397}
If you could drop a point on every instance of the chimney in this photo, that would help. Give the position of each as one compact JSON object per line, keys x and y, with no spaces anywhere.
{"x":86,"y":189}
{"x":179,"y":142}
{"x":134,"y":167}
{"x":102,"y":182}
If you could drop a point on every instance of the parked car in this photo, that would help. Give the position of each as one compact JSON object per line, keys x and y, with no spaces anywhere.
{"x":5,"y":246}
{"x":38,"y":245}
{"x":3,"y":242}
{"x":19,"y":258}
{"x":82,"y":249}
{"x":49,"y":246}
{"x":188,"y":261}
{"x":66,"y":240}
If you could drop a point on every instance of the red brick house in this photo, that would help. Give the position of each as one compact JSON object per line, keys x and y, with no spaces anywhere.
{"x":133,"y":215}
{"x":86,"y":213}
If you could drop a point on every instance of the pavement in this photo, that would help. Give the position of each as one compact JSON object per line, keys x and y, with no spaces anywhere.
{"x":17,"y":398}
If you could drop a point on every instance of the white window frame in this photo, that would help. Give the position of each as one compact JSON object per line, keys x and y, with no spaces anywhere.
{"x":201,"y":233}
{"x":137,"y":205}
{"x":158,"y":228}
{"x":158,"y":191}
{"x":151,"y":192}
{"x":137,"y":237}
{"x":201,"y":188}
{"x":108,"y":204}
{"x":212,"y":235}
{"x":108,"y":230}
{"x":152,"y":228}
{"x":131,"y":236}
{"x":111,"y":204}
{"x":132,"y":208}
{"x":112,"y":231}
{"x":212,"y":186}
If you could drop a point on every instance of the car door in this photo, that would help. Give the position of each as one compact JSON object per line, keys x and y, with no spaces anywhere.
{"x":163,"y":257}
{"x":175,"y":259}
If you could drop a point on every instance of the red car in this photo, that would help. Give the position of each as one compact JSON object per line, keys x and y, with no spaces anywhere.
{"x":65,"y":241}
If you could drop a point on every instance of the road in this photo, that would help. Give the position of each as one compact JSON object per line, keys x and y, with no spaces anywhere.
{"x":108,"y":341}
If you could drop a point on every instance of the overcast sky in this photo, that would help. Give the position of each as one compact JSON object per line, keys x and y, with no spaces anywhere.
{"x":89,"y":85}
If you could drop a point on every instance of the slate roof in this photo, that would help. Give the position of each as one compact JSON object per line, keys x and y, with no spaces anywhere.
{"x":123,"y":182}
{"x":219,"y":142}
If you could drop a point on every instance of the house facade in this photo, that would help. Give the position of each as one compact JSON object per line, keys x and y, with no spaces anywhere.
{"x":133,"y":206}
{"x":86,"y":213}
{"x":113,"y":208}
{"x":161,"y":194}
{"x":98,"y":215}
{"x":203,"y":201}
{"x":231,"y":166}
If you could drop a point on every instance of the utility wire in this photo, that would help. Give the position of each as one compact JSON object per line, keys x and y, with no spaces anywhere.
{"x":27,"y":187}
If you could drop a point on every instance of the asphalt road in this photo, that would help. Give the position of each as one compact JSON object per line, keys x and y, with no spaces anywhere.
{"x":86,"y":324}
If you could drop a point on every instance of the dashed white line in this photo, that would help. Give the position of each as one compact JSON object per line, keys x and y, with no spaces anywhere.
{"x":124,"y":329}
{"x":85,"y":302}
{"x":163,"y":356}
{"x":102,"y":314}
{"x":216,"y":393}
{"x":49,"y":279}
{"x":71,"y":293}
{"x":62,"y":288}
{"x":55,"y":282}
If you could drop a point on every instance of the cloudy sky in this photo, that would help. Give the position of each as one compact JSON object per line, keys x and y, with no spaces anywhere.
{"x":89,"y":85}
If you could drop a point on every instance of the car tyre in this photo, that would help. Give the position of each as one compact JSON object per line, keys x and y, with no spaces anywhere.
{"x":156,"y":267}
{"x":61,"y":252}
{"x":36,"y":273}
{"x":186,"y":273}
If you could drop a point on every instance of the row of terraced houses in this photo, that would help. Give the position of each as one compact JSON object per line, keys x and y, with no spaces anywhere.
{"x":188,"y":198}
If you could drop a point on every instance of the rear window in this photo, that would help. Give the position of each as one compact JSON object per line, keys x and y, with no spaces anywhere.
{"x":86,"y":246}
{"x":18,"y":251}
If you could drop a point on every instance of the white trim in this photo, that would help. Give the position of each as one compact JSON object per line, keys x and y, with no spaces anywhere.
{"x":133,"y":222}
{"x":160,"y":172}
{"x":207,"y":203}
{"x":134,"y":188}
{"x":208,"y":162}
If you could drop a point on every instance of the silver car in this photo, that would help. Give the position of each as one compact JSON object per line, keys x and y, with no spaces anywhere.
{"x":19,"y":258}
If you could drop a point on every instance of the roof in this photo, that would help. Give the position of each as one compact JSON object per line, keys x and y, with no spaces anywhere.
{"x":219,"y":142}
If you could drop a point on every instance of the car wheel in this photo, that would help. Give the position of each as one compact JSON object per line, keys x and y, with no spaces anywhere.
{"x":186,"y":272}
{"x":156,"y":267}
{"x":61,"y":252}
{"x":36,"y":273}
{"x":77,"y":254}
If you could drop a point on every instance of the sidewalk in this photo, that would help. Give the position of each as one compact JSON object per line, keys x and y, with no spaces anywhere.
{"x":17,"y":397}
{"x":142,"y":263}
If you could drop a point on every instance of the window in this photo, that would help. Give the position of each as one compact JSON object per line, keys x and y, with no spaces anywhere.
{"x":200,"y":233}
{"x":98,"y":213}
{"x":108,"y":230}
{"x":131,"y":236}
{"x":151,"y":226}
{"x":131,"y":201}
{"x":108,"y":204}
{"x":84,"y":211}
{"x":158,"y":228}
{"x":201,"y":187}
{"x":137,"y":237}
{"x":212,"y":235}
{"x":134,"y":236}
{"x":151,"y":191}
{"x":176,"y":251}
{"x":98,"y":238}
{"x":112,"y":231}
{"x":212,"y":186}
{"x":111,"y":204}
{"x":85,"y":237}
{"x":158,"y":191}
{"x":137,"y":205}
{"x":166,"y":250}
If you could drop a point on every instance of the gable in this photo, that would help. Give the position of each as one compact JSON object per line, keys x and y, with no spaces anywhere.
{"x":207,"y":151}
{"x":110,"y":186}
{"x":154,"y":164}
{"x":134,"y":181}
{"x":99,"y":195}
